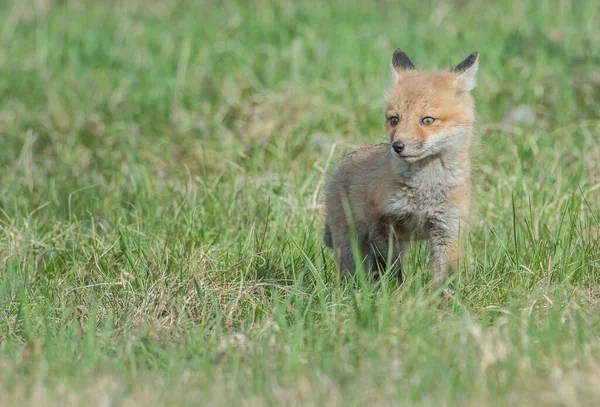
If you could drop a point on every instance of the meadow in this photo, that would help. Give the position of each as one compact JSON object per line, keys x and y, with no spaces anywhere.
{"x":161,"y":205}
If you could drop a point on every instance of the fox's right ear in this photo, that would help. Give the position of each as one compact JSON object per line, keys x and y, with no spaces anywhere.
{"x":399,"y":64}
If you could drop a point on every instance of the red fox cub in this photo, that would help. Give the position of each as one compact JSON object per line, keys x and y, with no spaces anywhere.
{"x":417,"y":186}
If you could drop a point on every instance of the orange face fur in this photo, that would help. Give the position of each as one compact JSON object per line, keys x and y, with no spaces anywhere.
{"x":429,"y":113}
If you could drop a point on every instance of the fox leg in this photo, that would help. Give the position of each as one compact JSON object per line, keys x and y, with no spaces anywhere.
{"x":344,"y":255}
{"x":327,"y":238}
{"x":381,"y":251}
{"x":446,"y":251}
{"x":380,"y":259}
{"x":344,"y":259}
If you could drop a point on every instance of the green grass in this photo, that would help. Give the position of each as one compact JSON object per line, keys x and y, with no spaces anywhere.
{"x":163,"y":166}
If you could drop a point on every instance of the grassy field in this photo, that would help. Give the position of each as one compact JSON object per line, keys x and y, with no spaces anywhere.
{"x":163,"y":166}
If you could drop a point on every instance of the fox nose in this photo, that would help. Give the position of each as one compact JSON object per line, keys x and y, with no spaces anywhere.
{"x":398,"y":146}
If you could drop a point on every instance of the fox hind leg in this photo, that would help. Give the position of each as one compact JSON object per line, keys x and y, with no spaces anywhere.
{"x":386,"y":257}
{"x":327,"y":239}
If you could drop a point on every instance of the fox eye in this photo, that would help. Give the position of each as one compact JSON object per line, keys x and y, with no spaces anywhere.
{"x":394,"y":120}
{"x":427,"y":121}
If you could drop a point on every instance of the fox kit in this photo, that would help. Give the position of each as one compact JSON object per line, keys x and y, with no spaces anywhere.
{"x":416,"y":186}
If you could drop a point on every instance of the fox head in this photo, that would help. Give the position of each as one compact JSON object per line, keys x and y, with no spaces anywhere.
{"x":430,"y":113}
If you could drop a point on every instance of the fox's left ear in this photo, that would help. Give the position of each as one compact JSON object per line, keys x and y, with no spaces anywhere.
{"x":467,"y":71}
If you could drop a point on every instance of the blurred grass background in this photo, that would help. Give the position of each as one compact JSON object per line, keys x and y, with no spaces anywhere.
{"x":161,"y":205}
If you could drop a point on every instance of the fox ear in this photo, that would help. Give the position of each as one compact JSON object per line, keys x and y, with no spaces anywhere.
{"x":467,"y":72}
{"x":399,"y":63}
